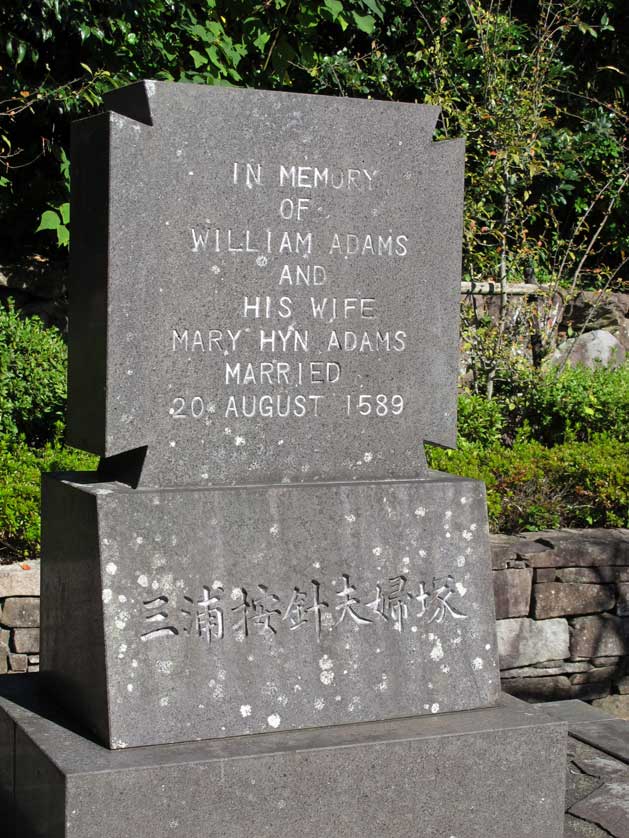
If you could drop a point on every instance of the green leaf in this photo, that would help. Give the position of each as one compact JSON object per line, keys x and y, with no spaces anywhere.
{"x":199,"y":60}
{"x":335,"y":7}
{"x":375,"y":8}
{"x":21,"y":53}
{"x":49,"y":221}
{"x":366,"y":23}
{"x":63,"y":236}
{"x":64,"y":210}
{"x":262,"y":40}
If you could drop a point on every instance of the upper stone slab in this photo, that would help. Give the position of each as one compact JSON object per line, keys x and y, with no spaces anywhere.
{"x":264,"y":286}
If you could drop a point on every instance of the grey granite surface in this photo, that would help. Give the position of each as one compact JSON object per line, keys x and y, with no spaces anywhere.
{"x":265,"y":286}
{"x":189,"y":614}
{"x":397,"y":778}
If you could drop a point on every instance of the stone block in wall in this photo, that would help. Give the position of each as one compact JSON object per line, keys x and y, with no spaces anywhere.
{"x":595,"y":676}
{"x":545,"y":574}
{"x":512,"y":592}
{"x":606,"y":660}
{"x":512,"y":550}
{"x":20,"y":612}
{"x":5,"y":635}
{"x":622,"y":685}
{"x":4,"y":662}
{"x":599,"y":635}
{"x":580,"y":548}
{"x":558,"y":599}
{"x":522,"y":641}
{"x":26,"y":640}
{"x":19,"y":579}
{"x":18,"y":663}
{"x":555,"y":688}
{"x":588,"y":575}
{"x":623,"y":600}
{"x":539,"y":670}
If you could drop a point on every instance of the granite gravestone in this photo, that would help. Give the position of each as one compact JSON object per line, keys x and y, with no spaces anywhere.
{"x":256,"y":297}
{"x":265,"y":292}
{"x":268,"y":303}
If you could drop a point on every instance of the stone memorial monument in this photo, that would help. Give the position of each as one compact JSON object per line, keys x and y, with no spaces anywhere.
{"x":263,"y":582}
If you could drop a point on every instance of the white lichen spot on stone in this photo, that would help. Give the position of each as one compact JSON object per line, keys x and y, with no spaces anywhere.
{"x":107,"y":595}
{"x":227,"y":431}
{"x":461,"y":588}
{"x":215,"y":269}
{"x":422,"y":554}
{"x":239,"y":440}
{"x":436,"y":653}
{"x":166,"y":667}
{"x":467,"y":535}
{"x":164,"y":701}
{"x":261,"y":261}
{"x":122,"y":598}
{"x":354,"y":703}
{"x":420,"y":512}
{"x":477,"y":664}
{"x":460,"y":561}
{"x":245,"y":710}
{"x":368,"y":457}
{"x":216,"y":584}
{"x":111,"y":568}
{"x":134,"y":663}
{"x":319,"y":704}
{"x":473,"y":527}
{"x":377,"y":551}
{"x":327,"y":677}
{"x":316,"y":565}
{"x":434,"y":708}
{"x":121,"y":621}
{"x":327,"y":621}
{"x":414,"y":629}
{"x":464,"y":501}
{"x":236,"y":593}
{"x":350,"y":518}
{"x":129,"y":688}
{"x":274,"y":530}
{"x":448,"y":513}
{"x":445,"y":668}
{"x":383,"y":685}
{"x":274,"y":720}
{"x":487,"y":647}
{"x":143,"y":582}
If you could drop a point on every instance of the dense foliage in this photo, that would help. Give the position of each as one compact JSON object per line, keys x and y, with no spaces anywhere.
{"x":20,"y":475}
{"x":32,"y":378}
{"x":532,"y":487}
{"x":537,"y":89}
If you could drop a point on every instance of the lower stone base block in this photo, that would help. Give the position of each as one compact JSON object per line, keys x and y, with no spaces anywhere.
{"x":486,"y":773}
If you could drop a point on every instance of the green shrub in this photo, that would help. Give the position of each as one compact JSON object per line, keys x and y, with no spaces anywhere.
{"x":20,"y":473}
{"x":550,"y":406}
{"x":578,"y":404}
{"x":32,"y":378}
{"x":479,"y":420}
{"x":531,"y":487}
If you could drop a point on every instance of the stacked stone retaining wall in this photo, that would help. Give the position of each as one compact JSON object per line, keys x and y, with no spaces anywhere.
{"x":562,"y":608}
{"x":19,"y":617}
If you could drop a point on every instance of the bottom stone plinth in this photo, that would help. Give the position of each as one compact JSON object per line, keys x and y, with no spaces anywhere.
{"x":486,"y":773}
